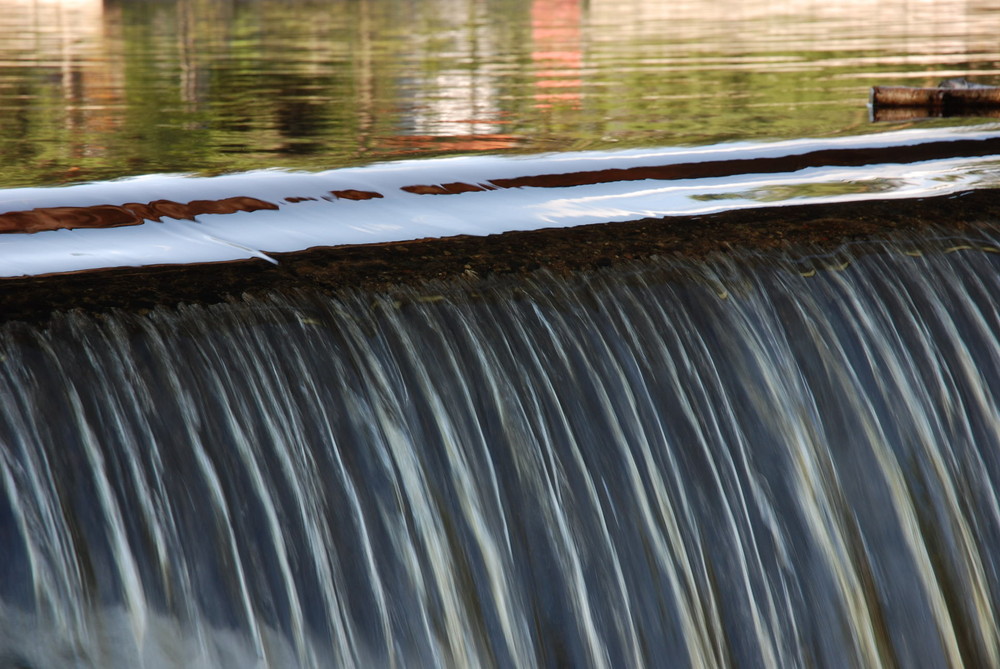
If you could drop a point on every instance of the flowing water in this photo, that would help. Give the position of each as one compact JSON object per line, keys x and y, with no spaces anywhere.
{"x":773,"y":461}
{"x":755,"y":461}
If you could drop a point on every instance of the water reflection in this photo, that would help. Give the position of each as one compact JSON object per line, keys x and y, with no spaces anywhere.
{"x":557,"y":51}
{"x":96,"y":90}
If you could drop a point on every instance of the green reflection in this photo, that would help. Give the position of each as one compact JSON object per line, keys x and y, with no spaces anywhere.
{"x":780,"y":193}
{"x":93,"y":90}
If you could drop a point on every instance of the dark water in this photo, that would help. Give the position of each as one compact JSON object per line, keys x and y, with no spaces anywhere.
{"x":749,"y":462}
{"x":97,"y":90}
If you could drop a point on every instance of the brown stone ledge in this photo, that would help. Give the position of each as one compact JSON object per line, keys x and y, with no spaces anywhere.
{"x":380,"y":266}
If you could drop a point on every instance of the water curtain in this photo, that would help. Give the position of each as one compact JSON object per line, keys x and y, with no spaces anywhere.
{"x":754,"y":461}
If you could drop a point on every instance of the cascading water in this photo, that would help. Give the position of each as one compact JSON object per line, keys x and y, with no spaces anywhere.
{"x":741,"y":462}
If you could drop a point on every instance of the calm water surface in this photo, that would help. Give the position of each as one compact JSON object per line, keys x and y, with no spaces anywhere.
{"x":97,"y":90}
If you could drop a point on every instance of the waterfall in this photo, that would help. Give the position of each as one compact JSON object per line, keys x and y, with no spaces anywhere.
{"x":751,"y":461}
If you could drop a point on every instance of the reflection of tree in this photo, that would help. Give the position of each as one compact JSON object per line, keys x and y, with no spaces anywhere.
{"x":49,"y":48}
{"x":449,"y":90}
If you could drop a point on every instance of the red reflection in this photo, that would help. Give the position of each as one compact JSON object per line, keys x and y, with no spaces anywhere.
{"x":353,"y":194}
{"x":418,"y":144}
{"x":447,"y":189}
{"x":113,"y":216}
{"x":56,"y":218}
{"x":557,"y":54}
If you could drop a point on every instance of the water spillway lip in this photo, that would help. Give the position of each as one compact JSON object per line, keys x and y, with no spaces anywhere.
{"x":839,"y":157}
{"x":175,"y":219}
{"x":380,"y":267}
{"x":134,"y":213}
{"x":721,"y":161}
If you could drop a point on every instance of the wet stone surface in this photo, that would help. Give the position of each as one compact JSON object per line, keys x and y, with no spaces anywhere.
{"x":564,"y":250}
